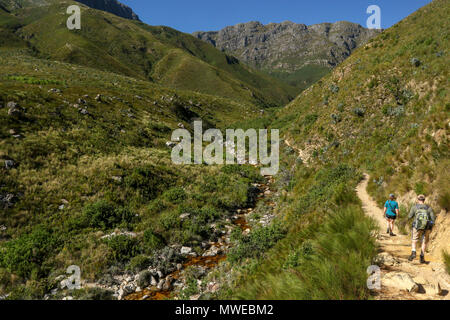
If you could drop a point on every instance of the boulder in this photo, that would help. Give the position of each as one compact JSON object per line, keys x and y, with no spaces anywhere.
{"x":168,"y":284}
{"x":185,"y":250}
{"x":7,"y":200}
{"x":212,"y":252}
{"x":144,"y":279}
{"x":385,"y":259}
{"x":400,"y":280}
{"x":434,"y":289}
{"x":14,"y":110}
{"x":9,"y":164}
{"x":184,"y":216}
{"x":416,"y":62}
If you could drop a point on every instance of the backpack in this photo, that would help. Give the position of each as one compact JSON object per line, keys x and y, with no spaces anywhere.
{"x":422,"y":218}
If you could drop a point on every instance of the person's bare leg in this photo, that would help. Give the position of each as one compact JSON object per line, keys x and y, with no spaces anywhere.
{"x":414,"y":242}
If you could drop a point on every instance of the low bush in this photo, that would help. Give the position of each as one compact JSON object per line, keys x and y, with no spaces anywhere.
{"x":257,"y":242}
{"x":124,"y":247}
{"x":446,"y":257}
{"x":25,"y":255}
{"x":152,"y":241}
{"x":104,"y":215}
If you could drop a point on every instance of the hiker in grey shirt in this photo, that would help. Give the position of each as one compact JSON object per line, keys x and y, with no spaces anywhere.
{"x":424,"y":220}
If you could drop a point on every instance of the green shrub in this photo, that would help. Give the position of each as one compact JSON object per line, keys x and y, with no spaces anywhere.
{"x":26,"y":255}
{"x":190,"y":289}
{"x":139,"y":263}
{"x":257,"y":242}
{"x":446,"y":257}
{"x":124,"y":247}
{"x":152,"y":241}
{"x":105,"y":215}
{"x":169,"y":220}
{"x":175,"y":195}
{"x":147,"y":181}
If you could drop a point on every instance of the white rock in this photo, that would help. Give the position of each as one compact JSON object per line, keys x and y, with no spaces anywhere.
{"x":386,"y":259}
{"x":433,"y":289}
{"x":401,"y":281}
{"x":185,"y":250}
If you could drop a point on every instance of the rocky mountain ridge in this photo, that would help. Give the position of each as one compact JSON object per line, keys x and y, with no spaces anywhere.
{"x":287,"y":48}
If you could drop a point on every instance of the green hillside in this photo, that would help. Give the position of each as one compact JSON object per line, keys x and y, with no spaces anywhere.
{"x":385,"y":111}
{"x":131,"y":48}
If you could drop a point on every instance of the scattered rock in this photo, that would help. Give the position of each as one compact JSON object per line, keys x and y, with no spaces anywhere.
{"x":54,"y":90}
{"x":433,"y":289}
{"x":185,"y":250}
{"x":212,"y":287}
{"x":8,"y":200}
{"x":416,"y":62}
{"x":15,"y":110}
{"x":386,"y":259}
{"x":144,"y":279}
{"x":9,"y":164}
{"x":160,"y":284}
{"x":117,"y":178}
{"x":212,"y":252}
{"x":124,"y":233}
{"x":184,"y":216}
{"x":401,"y":281}
{"x":168,"y":284}
{"x":84,"y":112}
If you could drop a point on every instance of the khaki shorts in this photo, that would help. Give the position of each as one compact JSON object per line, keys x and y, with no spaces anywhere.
{"x":418,"y":234}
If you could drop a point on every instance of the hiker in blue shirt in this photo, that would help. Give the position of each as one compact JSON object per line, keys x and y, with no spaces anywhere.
{"x":391,"y":212}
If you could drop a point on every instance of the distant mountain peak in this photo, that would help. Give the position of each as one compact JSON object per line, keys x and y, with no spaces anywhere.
{"x":285,"y":49}
{"x":112,"y":6}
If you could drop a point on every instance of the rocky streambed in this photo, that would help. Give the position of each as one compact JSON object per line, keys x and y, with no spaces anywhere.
{"x":154,"y":284}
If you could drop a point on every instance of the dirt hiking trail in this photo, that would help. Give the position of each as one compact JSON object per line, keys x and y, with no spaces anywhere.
{"x":400,"y":278}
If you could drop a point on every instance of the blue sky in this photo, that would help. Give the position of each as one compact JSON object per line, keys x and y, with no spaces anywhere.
{"x":207,"y":15}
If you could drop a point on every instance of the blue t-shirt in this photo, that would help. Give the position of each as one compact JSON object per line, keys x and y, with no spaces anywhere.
{"x":391,"y":207}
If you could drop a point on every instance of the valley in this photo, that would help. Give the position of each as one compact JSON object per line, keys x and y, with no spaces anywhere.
{"x":87,"y":177}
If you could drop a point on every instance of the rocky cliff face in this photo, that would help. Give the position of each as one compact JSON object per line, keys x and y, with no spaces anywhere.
{"x":286,"y":48}
{"x":111,"y":6}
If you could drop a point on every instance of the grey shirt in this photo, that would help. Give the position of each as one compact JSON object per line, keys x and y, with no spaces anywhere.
{"x":430,"y":211}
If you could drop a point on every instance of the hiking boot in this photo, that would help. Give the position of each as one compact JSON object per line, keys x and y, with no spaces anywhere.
{"x":388,"y":231}
{"x":392,"y":234}
{"x":413,"y":256}
{"x":422,"y":259}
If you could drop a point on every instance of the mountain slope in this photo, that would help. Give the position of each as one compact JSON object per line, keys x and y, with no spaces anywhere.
{"x":296,"y":53}
{"x":386,"y":111}
{"x":84,"y":157}
{"x":132,"y":48}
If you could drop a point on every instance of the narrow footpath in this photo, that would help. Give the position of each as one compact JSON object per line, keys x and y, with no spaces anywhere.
{"x":400,"y":278}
